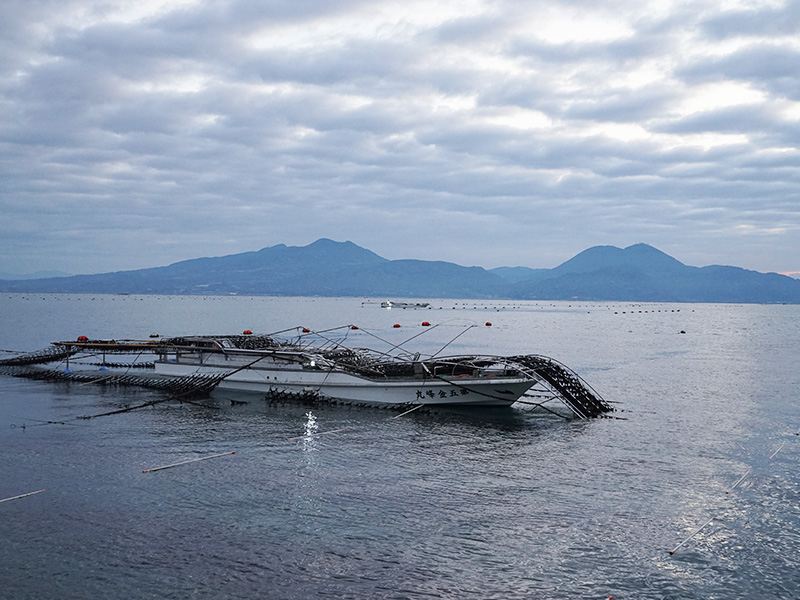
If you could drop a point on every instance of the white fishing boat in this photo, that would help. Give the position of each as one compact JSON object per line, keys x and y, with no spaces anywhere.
{"x":395,"y":304}
{"x":343,"y":374}
{"x":315,"y":367}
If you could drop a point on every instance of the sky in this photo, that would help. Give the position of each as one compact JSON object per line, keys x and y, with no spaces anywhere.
{"x":481,"y":132}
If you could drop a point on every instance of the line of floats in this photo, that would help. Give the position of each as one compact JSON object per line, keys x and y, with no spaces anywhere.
{"x":475,"y":304}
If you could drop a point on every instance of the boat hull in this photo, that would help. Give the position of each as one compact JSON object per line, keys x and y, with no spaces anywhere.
{"x":345,"y":387}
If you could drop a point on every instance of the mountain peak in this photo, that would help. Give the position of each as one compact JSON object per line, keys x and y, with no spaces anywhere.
{"x":646,"y":251}
{"x":346,"y":252}
{"x":638,"y":256}
{"x":329,"y":243}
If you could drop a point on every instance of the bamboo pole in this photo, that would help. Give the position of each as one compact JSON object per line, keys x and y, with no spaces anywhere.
{"x":91,"y":381}
{"x":740,"y":480}
{"x":186,"y":462}
{"x":126,"y":409}
{"x":408,"y":411}
{"x":22,"y":496}
{"x":541,"y":405}
{"x":693,"y":534}
{"x":778,"y":450}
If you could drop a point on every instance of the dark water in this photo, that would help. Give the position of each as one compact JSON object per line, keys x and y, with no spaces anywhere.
{"x":446,"y":504}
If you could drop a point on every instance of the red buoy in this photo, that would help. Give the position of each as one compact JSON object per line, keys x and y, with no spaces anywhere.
{"x":488,"y":323}
{"x":396,"y":325}
{"x":306,"y":330}
{"x":353,"y":326}
{"x":426,"y":324}
{"x":247,"y":332}
{"x":83,"y":338}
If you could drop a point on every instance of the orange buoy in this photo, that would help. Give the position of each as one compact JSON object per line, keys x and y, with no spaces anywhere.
{"x":247,"y":332}
{"x":306,"y":330}
{"x":83,"y":338}
{"x":426,"y":324}
{"x":396,"y":325}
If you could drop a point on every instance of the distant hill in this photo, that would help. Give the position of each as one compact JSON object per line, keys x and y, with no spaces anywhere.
{"x":644,"y":274}
{"x":36,"y":275}
{"x":324,"y":268}
{"x":329,"y":268}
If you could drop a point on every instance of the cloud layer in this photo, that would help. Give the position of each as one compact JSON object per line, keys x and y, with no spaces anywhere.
{"x":480,"y":132}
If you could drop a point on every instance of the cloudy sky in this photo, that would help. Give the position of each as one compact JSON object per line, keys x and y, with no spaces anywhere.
{"x":482,"y":132}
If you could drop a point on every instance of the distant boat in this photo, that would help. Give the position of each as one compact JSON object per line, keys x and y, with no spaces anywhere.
{"x":393,"y":304}
{"x":314,"y":367}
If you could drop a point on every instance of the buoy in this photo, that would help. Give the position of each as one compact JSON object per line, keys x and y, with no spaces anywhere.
{"x":396,"y":325}
{"x":306,"y":330}
{"x":488,"y":323}
{"x":83,"y":338}
{"x":426,"y":324}
{"x":353,"y":326}
{"x":247,"y":332}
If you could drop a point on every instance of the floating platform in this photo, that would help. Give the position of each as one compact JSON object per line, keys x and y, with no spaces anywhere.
{"x":311,"y":368}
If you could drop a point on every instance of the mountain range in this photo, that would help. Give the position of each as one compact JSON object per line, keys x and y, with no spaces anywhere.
{"x":638,"y":273}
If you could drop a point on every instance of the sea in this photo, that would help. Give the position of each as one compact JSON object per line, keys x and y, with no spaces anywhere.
{"x":689,"y":490}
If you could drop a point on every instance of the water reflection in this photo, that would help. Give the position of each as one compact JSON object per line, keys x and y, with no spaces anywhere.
{"x":310,"y":429}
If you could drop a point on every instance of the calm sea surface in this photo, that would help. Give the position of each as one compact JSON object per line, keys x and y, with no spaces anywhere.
{"x":504,"y":504}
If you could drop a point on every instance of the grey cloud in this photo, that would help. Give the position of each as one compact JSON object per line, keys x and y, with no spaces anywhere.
{"x":243,"y":14}
{"x":350,"y":65}
{"x":763,"y":21}
{"x":770,"y":67}
{"x":750,"y":119}
{"x":291,"y":143}
{"x":624,"y":107}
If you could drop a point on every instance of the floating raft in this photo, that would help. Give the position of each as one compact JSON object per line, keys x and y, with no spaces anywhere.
{"x":190,"y":385}
{"x":25,"y":365}
{"x":40,"y":357}
{"x":550,"y":380}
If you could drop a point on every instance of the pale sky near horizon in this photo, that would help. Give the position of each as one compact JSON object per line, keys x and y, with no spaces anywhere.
{"x":480,"y":132}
